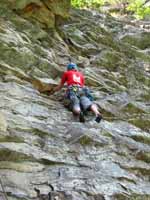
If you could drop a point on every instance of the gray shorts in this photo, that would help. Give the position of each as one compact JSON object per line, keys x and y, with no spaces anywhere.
{"x":82,"y":102}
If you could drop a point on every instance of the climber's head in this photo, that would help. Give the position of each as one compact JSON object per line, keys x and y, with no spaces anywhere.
{"x":72,"y":66}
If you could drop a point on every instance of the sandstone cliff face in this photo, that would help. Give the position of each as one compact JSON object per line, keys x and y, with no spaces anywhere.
{"x":41,"y":142}
{"x":47,"y":12}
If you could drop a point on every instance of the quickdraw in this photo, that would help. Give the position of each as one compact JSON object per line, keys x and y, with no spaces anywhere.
{"x":75,"y":88}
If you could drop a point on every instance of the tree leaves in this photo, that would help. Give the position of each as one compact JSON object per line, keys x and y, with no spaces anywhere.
{"x":139,"y":8}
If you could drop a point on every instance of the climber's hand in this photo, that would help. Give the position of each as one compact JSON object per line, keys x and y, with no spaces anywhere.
{"x":52,"y":91}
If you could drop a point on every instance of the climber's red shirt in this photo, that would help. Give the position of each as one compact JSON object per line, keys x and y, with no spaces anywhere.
{"x":73,"y":77}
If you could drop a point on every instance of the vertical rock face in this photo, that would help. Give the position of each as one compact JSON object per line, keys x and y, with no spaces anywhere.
{"x":45,"y":11}
{"x":3,"y":123}
{"x":44,"y":150}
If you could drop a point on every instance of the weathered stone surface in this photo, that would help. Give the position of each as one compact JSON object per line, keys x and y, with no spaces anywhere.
{"x":3,"y":123}
{"x":140,"y":40}
{"x":41,"y":142}
{"x":45,"y":12}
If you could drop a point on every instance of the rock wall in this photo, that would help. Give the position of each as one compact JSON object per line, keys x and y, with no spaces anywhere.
{"x":41,"y":142}
{"x":47,"y":12}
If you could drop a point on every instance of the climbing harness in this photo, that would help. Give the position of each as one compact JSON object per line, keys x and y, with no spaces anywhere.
{"x":80,"y":91}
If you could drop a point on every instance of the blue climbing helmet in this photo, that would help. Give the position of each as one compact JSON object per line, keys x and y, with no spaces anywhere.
{"x":71,"y":66}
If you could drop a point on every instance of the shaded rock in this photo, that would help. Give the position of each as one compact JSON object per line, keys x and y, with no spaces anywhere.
{"x":44,"y":12}
{"x":43,"y":85}
{"x":61,"y":195}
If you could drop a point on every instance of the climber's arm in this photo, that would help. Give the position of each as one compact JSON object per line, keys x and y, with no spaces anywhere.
{"x":58,"y":87}
{"x":61,"y":84}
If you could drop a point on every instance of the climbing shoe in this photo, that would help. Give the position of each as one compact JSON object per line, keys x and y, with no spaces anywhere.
{"x":81,"y":117}
{"x":98,"y":118}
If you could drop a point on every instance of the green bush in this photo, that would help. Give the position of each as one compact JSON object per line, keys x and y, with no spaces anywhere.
{"x":139,"y":8}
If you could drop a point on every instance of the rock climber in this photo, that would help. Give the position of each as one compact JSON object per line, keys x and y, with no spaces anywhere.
{"x":78,"y":95}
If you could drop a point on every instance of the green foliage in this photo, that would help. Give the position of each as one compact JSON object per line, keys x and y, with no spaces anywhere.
{"x":137,"y":7}
{"x":87,"y":3}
